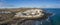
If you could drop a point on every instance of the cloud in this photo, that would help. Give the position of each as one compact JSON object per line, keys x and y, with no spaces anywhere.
{"x":50,"y":6}
{"x":1,"y":4}
{"x":5,"y":5}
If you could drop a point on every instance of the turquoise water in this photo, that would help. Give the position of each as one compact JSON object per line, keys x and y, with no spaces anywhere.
{"x":56,"y":17}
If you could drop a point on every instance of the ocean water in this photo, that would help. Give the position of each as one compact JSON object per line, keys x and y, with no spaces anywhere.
{"x":56,"y":17}
{"x":53,"y":20}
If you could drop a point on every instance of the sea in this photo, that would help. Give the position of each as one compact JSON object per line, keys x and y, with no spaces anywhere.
{"x":56,"y":17}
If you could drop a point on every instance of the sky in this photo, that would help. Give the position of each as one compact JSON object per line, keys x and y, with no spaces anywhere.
{"x":30,"y":3}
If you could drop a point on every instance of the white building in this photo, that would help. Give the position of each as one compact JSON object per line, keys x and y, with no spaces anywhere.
{"x":32,"y":13}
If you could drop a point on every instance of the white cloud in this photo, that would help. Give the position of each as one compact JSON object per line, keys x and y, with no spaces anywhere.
{"x":4,"y":5}
{"x":50,"y":6}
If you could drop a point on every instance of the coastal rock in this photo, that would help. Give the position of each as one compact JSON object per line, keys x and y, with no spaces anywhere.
{"x":22,"y":16}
